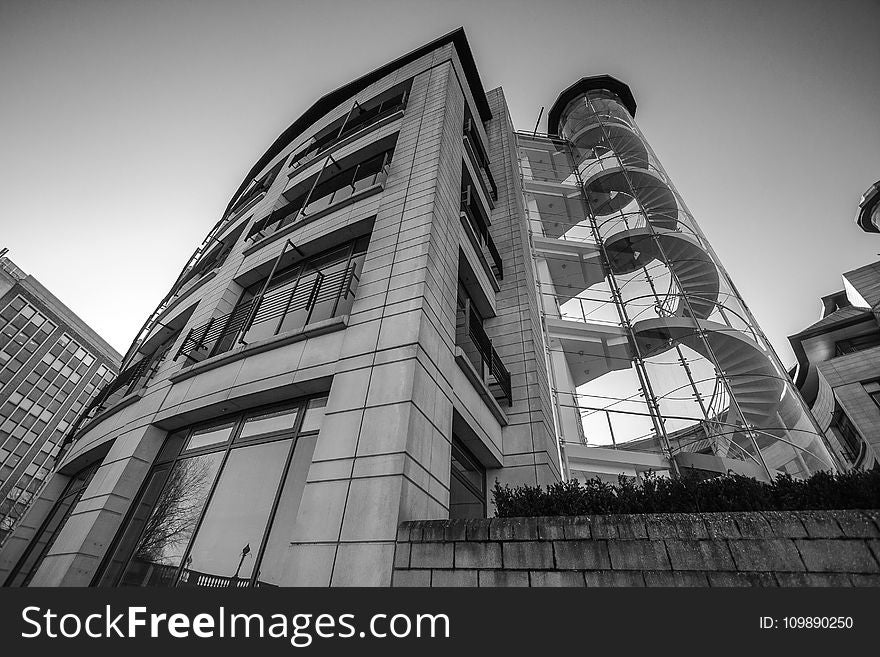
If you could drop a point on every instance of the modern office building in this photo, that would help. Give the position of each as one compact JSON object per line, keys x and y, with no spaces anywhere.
{"x":51,"y":366}
{"x":404,"y":302}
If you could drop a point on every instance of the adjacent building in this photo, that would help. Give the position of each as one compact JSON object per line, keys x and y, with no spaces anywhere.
{"x":838,"y":368}
{"x":51,"y":366}
{"x":404,"y":302}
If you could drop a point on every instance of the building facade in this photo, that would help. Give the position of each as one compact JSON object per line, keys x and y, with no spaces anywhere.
{"x":367,"y":336}
{"x":838,"y":369}
{"x":51,"y":366}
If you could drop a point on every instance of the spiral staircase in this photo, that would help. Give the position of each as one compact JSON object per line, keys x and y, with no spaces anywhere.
{"x":752,"y":413}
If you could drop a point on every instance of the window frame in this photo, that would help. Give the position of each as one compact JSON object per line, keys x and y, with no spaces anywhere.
{"x":465,"y":455}
{"x":232,"y":442}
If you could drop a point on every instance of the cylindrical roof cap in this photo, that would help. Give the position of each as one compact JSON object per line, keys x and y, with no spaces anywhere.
{"x":584,"y":85}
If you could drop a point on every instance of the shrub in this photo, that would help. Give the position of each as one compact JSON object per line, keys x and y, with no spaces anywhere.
{"x":858,"y":489}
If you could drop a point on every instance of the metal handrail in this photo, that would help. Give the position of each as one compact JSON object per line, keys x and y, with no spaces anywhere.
{"x":485,"y":239}
{"x":490,"y":362}
{"x":221,"y":334}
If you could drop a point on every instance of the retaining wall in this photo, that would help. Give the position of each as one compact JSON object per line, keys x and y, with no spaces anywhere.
{"x":778,"y":548}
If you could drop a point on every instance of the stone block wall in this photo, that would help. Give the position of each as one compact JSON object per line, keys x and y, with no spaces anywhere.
{"x":771,"y":548}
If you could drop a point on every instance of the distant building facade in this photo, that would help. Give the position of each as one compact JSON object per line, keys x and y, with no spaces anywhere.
{"x":51,"y":366}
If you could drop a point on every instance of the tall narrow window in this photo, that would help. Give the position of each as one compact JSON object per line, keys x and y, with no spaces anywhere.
{"x":467,"y":484}
{"x":39,"y":547}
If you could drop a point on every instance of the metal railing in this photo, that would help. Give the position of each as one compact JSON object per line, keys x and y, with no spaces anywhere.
{"x":471,"y":337}
{"x":129,"y":380}
{"x":323,"y":194}
{"x":221,"y":334}
{"x":473,"y":145}
{"x":365,"y":118}
{"x":484,"y":239}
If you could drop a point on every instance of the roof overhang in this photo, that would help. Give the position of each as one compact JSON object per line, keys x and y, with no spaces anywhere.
{"x":327,"y":102}
{"x":869,"y":209}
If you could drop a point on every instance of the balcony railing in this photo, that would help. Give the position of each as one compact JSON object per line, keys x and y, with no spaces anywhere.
{"x":128,"y":381}
{"x":484,"y":240}
{"x":325,"y":194}
{"x":477,"y":347}
{"x":353,"y":123}
{"x":473,"y":145}
{"x":222,"y":334}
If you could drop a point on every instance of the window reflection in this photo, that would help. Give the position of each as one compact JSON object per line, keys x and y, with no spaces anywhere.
{"x":231,"y":532}
{"x":170,"y":526}
{"x":187,"y":530}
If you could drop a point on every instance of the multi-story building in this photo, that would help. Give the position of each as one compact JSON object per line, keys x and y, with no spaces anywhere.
{"x":378,"y":329}
{"x":838,"y":369}
{"x":51,"y":366}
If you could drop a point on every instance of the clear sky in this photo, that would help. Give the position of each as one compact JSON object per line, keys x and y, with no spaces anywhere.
{"x":126,"y":126}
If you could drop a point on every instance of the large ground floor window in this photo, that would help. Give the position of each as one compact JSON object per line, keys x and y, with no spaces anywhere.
{"x":219,"y":507}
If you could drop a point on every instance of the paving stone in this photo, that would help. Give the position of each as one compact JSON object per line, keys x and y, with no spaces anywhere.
{"x":401,"y":555}
{"x":699,"y":555}
{"x":689,"y":525}
{"x":581,"y":555}
{"x":629,"y":526}
{"x":478,"y":529}
{"x":411,"y":578}
{"x":556,"y":578}
{"x":752,"y":525}
{"x":819,"y":524}
{"x":861,"y":579}
{"x":767,"y":555}
{"x":477,"y":555}
{"x":614,"y":578}
{"x":602,"y":527}
{"x":503,"y":578}
{"x":730,"y":579}
{"x":551,"y":528}
{"x":856,"y":524}
{"x":513,"y":529}
{"x":456,"y":530}
{"x":812,"y":579}
{"x":660,"y":526}
{"x":431,"y":555}
{"x":526,"y":555}
{"x":434,"y":530}
{"x":675,"y":578}
{"x":785,"y":524}
{"x":721,"y":525}
{"x":577,"y":527}
{"x":455,"y":578}
{"x":638,"y":555}
{"x":837,"y":556}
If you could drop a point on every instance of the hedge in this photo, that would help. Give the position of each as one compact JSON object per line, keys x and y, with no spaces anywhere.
{"x":858,"y":489}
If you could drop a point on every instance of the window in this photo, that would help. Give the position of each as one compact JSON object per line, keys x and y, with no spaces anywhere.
{"x":36,"y":551}
{"x":306,"y":292}
{"x":335,"y":183}
{"x":359,"y":117}
{"x":467,"y":484}
{"x":856,"y":344}
{"x":219,"y":506}
{"x":873,"y":390}
{"x":843,"y":429}
{"x":257,"y":187}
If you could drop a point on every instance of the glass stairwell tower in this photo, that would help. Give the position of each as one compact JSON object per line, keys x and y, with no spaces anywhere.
{"x":656,"y":363}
